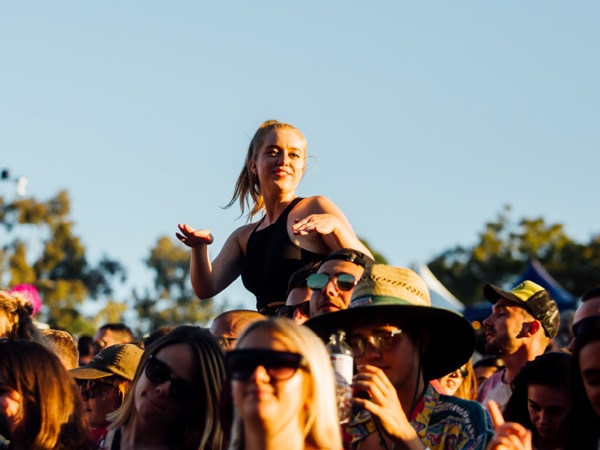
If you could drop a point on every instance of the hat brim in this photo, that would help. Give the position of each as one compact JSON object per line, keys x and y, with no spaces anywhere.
{"x":451,"y":336}
{"x":88,"y":373}
{"x":492,"y":294}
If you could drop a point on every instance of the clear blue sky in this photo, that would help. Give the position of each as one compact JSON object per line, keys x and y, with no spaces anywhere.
{"x":423,"y":118}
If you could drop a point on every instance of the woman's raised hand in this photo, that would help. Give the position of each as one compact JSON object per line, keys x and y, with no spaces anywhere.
{"x":317,"y":223}
{"x":508,"y":435}
{"x":193,"y":238}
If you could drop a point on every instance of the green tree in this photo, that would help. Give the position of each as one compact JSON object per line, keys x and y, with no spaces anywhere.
{"x":379,"y":258}
{"x":505,"y":248}
{"x":41,"y":249}
{"x":172,"y":300}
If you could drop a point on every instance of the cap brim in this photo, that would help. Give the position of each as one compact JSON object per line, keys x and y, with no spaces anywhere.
{"x":492,"y":294}
{"x":88,"y":373}
{"x":451,"y":342}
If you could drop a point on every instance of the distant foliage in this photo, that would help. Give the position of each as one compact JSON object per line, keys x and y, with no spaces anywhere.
{"x":503,"y":251}
{"x":171,"y":301}
{"x":39,"y":248}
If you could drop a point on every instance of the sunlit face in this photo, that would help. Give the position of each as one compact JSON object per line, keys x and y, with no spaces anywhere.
{"x":268,"y":402}
{"x":10,"y":405}
{"x":589,"y":366}
{"x":400,"y":362}
{"x":153,"y":402}
{"x":280,"y":160}
{"x":482,"y":373}
{"x":331,"y":298}
{"x":451,"y":382}
{"x":548,"y":407}
{"x":503,"y":328}
{"x":105,"y":398}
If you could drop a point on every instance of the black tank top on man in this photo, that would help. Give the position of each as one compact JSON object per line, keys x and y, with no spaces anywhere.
{"x":271,"y":257}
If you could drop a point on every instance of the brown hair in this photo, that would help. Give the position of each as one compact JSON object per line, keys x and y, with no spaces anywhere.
{"x":17,"y":310}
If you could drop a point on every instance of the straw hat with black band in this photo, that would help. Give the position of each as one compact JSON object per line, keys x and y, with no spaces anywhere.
{"x":397,"y":294}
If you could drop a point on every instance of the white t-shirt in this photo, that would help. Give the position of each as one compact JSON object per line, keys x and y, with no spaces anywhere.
{"x":494,"y":388}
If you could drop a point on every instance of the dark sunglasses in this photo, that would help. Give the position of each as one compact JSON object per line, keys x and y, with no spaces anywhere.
{"x":343,"y":281}
{"x":280,"y":366}
{"x":290,"y":310}
{"x":158,"y":372}
{"x":95,"y":389}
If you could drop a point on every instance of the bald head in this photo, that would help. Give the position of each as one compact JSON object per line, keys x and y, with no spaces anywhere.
{"x":590,"y":304}
{"x":228,"y":326}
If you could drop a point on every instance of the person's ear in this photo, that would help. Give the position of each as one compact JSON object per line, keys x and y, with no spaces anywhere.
{"x":252,"y":166}
{"x":534,"y":327}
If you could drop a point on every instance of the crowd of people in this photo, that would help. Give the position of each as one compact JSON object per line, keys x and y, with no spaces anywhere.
{"x":264,"y":379}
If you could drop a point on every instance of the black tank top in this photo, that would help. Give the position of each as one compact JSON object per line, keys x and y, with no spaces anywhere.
{"x":271,"y":257}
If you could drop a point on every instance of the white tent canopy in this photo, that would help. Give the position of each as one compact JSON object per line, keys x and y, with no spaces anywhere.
{"x":440,"y":296}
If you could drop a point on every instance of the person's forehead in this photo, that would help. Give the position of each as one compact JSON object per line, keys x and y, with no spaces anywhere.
{"x":221,"y":327}
{"x":588,"y":308}
{"x":508,"y":305}
{"x":286,"y":136}
{"x":101,"y":334}
{"x":335,"y":266}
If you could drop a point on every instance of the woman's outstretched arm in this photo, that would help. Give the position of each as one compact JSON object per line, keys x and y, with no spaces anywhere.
{"x":209,"y":279}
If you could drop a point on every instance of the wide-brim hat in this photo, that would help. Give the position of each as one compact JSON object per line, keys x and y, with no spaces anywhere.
{"x":397,"y":294}
{"x":119,"y":359}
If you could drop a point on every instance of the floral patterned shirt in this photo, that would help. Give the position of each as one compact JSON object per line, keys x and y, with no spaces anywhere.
{"x":442,"y":422}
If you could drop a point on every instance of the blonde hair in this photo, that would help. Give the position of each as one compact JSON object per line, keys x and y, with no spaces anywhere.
{"x":321,"y":426}
{"x":247,"y":188}
{"x":468,"y":387}
{"x":17,"y":310}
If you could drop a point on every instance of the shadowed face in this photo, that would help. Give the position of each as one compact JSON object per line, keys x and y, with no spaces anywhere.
{"x":589,"y":366}
{"x":548,"y":407}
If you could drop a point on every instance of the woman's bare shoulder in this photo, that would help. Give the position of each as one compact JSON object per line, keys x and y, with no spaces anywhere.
{"x":316,"y":204}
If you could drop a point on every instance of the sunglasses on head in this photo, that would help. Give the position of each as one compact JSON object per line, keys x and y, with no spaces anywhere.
{"x":95,"y":389}
{"x":159,"y":372}
{"x":343,"y":281}
{"x":280,"y":366}
{"x":290,"y":310}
